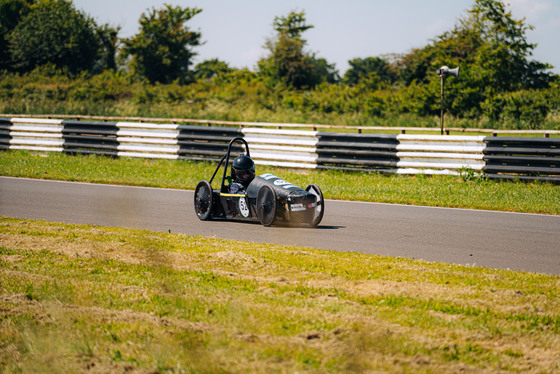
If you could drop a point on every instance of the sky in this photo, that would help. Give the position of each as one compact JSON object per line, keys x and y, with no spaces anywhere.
{"x":235,"y":31}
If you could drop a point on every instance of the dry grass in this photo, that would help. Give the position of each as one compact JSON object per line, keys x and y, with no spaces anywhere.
{"x":93,"y":299}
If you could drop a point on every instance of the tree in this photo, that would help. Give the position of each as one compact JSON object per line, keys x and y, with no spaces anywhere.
{"x":362,"y":69}
{"x":162,"y":50}
{"x":506,"y":44}
{"x":492,"y":50}
{"x":293,"y":25}
{"x":11,"y":11}
{"x":211,"y":68}
{"x":108,"y":45}
{"x":288,"y":62}
{"x":53,"y":31}
{"x":323,"y":71}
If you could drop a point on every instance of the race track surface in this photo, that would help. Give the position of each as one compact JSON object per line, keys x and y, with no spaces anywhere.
{"x":528,"y":242}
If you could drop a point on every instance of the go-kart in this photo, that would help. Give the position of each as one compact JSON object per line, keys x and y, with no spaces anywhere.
{"x":268,"y":199}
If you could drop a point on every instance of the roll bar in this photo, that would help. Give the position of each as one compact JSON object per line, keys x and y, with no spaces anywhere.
{"x":226,"y":158}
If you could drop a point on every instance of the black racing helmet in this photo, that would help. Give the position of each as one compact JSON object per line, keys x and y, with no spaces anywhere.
{"x":243,"y":169}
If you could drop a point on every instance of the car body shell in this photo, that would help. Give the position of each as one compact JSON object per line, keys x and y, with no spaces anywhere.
{"x":267,"y":199}
{"x":293,"y":204}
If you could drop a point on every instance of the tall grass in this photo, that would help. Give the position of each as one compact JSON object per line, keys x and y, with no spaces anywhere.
{"x":243,"y":96}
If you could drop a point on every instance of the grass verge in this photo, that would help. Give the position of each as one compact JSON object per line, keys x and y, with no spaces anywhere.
{"x":448,"y":191}
{"x":77,"y":298}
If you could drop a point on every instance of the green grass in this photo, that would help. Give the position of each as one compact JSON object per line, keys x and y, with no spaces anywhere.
{"x":448,"y":191}
{"x":77,"y":298}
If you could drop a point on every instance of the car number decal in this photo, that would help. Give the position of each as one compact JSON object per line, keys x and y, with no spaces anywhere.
{"x":243,"y":207}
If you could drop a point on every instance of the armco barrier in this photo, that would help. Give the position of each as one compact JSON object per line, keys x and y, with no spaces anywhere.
{"x":284,"y":148}
{"x":34,"y":134}
{"x":90,"y":137}
{"x":436,"y":154}
{"x":501,"y":158}
{"x":350,"y":151}
{"x":522,"y":158}
{"x":173,"y":141}
{"x":5,"y":133}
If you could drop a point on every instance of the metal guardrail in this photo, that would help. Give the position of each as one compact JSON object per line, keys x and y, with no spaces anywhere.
{"x":279,"y":126}
{"x":498,"y":157}
{"x":523,"y":158}
{"x":31,"y":134}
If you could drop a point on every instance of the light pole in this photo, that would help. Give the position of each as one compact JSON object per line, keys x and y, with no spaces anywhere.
{"x":443,"y":73}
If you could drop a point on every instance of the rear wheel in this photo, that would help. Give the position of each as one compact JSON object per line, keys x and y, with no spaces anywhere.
{"x":203,"y":200}
{"x":266,"y":205}
{"x":320,"y":208}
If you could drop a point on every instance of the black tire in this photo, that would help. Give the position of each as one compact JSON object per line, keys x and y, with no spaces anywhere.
{"x":203,"y":200}
{"x":266,"y":205}
{"x":320,"y":209}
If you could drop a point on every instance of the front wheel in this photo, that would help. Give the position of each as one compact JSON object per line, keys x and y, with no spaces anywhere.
{"x":320,"y":208}
{"x":266,"y":205}
{"x":203,"y":200}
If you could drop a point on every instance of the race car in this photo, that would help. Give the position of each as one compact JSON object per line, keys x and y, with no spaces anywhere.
{"x":267,"y":199}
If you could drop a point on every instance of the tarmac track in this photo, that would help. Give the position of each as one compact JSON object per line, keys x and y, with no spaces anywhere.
{"x":528,"y":242}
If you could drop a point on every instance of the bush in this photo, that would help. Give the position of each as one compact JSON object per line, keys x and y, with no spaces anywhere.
{"x":242,"y":95}
{"x":526,"y":109}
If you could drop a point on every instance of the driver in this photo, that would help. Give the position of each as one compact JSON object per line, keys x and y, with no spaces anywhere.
{"x":242,"y":173}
